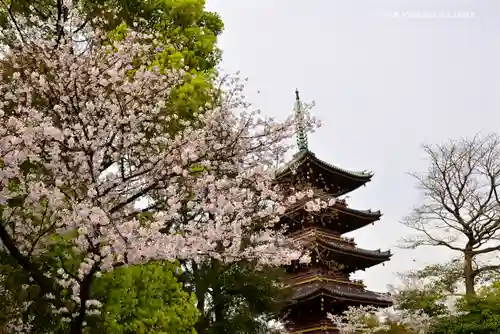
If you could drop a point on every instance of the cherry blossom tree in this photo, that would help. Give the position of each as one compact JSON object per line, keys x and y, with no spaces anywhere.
{"x":82,"y":141}
{"x":371,"y":320}
{"x":419,"y":304}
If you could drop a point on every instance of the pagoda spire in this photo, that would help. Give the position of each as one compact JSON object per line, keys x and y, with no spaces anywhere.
{"x":299,"y":123}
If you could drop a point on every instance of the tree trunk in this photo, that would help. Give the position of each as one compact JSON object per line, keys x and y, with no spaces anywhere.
{"x":200,"y":291}
{"x":469,"y":273}
{"x":218,"y":298}
{"x":218,"y":307}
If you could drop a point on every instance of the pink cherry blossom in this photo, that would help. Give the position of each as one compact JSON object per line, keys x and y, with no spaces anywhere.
{"x":82,"y":143}
{"x":355,"y":320}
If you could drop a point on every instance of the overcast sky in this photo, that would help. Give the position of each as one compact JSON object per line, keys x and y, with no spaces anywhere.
{"x":386,"y":76}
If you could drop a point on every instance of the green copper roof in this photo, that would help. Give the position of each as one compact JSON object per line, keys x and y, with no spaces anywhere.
{"x":299,"y":123}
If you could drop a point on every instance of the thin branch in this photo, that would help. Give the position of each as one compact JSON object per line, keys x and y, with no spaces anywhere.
{"x":43,"y":282}
{"x":12,"y":17}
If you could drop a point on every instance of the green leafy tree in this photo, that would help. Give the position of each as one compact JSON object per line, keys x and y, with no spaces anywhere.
{"x":235,"y":298}
{"x":245,"y":300}
{"x":186,"y":39}
{"x":145,"y":299}
{"x":190,"y":29}
{"x":427,"y":289}
{"x":136,"y":299}
{"x":21,"y":298}
{"x":478,"y":315}
{"x":427,"y":301}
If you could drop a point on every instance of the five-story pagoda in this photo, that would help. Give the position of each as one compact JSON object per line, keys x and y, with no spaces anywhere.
{"x":324,"y":285}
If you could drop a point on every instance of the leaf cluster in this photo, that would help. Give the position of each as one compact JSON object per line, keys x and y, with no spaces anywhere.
{"x":144,"y":299}
{"x":477,"y":314}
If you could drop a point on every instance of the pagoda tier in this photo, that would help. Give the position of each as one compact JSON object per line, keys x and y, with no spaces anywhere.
{"x":338,"y":290}
{"x":332,"y":251}
{"x":337,"y":218}
{"x":305,"y":167}
{"x":313,"y":298}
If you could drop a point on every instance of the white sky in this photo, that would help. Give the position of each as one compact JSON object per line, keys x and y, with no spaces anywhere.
{"x":384,"y":79}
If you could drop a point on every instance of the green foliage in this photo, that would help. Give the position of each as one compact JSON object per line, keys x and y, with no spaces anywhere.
{"x":11,"y":280}
{"x":239,"y":299}
{"x":479,"y":315}
{"x":250,"y":299}
{"x":435,"y":282}
{"x":145,"y":299}
{"x":443,"y":277}
{"x":136,"y":299}
{"x":186,"y":37}
{"x":428,"y":301}
{"x":190,"y":31}
{"x":20,"y":298}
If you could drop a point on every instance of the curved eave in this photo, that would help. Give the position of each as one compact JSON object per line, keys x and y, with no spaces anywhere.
{"x":357,"y":178}
{"x":348,"y":220}
{"x":374,"y":256}
{"x":353,"y":175}
{"x":332,"y":242}
{"x":338,"y":292}
{"x":368,"y":215}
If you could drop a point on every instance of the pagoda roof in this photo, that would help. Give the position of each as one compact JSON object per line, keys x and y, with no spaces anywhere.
{"x":349,"y":180}
{"x":339,"y":292}
{"x":325,"y":238}
{"x":382,"y":255}
{"x":342,"y":219}
{"x":349,"y":220}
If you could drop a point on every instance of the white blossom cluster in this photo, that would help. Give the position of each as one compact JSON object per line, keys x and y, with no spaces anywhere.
{"x":82,"y":140}
{"x":358,"y":320}
{"x":14,"y":313}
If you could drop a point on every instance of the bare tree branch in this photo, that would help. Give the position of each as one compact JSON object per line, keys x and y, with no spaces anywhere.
{"x":460,"y":208}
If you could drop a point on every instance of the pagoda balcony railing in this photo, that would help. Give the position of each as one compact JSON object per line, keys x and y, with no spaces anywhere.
{"x":304,"y":233}
{"x":323,"y":323}
{"x":307,"y":234}
{"x":318,"y":272}
{"x":360,"y":292}
{"x":326,"y":275}
{"x":320,"y":194}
